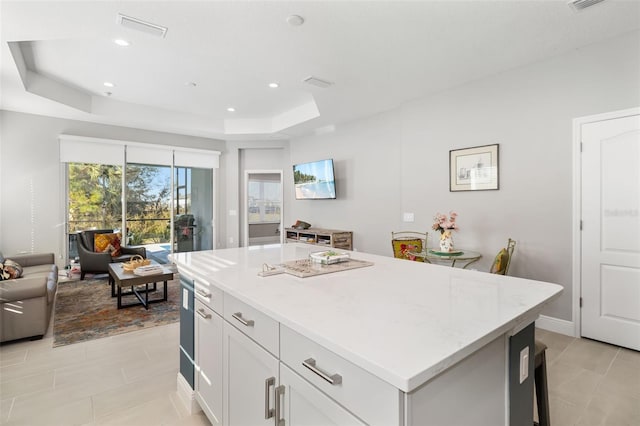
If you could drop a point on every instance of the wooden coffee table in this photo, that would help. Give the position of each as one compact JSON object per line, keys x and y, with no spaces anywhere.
{"x":119,"y":278}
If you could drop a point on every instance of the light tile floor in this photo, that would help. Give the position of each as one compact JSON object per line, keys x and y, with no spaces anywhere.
{"x":591,"y":383}
{"x":130,"y":379}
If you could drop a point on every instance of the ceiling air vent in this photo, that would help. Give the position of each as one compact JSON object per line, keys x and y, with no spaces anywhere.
{"x":318,"y":82}
{"x":140,"y":25}
{"x":583,"y":4}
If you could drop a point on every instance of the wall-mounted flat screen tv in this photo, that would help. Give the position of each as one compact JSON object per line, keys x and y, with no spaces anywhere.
{"x":315,"y":180}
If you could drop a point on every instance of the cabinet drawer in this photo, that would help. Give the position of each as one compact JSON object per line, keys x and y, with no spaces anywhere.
{"x":208,"y":294}
{"x":258,"y":326}
{"x":368,"y":397}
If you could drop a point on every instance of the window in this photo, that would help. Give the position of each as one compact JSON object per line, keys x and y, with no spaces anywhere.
{"x":263,"y":201}
{"x":95,"y":196}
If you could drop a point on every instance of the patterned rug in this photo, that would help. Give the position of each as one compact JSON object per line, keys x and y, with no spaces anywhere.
{"x":85,"y":310}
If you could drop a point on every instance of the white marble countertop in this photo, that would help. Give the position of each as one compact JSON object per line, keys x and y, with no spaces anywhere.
{"x":402,"y":321}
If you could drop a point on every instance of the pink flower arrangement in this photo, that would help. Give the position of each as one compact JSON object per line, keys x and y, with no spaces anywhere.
{"x":442,"y":222}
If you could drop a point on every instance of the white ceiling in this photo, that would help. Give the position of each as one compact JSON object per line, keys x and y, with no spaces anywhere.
{"x":378,"y":54}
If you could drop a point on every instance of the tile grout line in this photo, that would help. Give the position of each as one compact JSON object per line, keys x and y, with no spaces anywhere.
{"x":593,"y":394}
{"x":13,"y":401}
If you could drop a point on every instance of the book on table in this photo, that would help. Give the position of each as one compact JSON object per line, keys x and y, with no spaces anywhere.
{"x":148,"y":270}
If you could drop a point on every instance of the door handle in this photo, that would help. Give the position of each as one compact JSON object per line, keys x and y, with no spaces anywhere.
{"x":334,"y":379}
{"x":268,"y":412}
{"x":203,"y":293}
{"x":238,"y":316}
{"x":279,"y":399}
{"x":203,"y":314}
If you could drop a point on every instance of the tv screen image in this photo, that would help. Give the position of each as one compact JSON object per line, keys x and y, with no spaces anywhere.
{"x":315,"y":180}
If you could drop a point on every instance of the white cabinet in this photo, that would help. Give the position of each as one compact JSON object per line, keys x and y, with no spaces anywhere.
{"x":250,"y":380}
{"x":209,"y":364}
{"x":303,"y":404}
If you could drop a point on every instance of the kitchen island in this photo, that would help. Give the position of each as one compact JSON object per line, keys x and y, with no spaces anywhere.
{"x":398,"y":342}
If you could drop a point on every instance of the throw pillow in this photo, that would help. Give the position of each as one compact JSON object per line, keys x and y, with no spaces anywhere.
{"x":107,"y":243}
{"x":402,"y":247}
{"x":500,"y":262}
{"x":3,"y":275}
{"x":12,"y":268}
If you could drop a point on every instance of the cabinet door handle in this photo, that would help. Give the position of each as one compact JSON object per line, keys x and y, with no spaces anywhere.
{"x":238,"y":316}
{"x":334,"y":379}
{"x":203,"y":293}
{"x":268,"y":412}
{"x":203,"y":314}
{"x":279,"y":399}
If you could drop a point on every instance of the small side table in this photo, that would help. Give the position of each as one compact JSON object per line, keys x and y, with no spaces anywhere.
{"x":464,"y":257}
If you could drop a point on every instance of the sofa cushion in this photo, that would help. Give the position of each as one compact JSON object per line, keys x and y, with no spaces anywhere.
{"x":107,"y":243}
{"x":39,"y":270}
{"x":13,"y":268}
{"x":25,"y":288}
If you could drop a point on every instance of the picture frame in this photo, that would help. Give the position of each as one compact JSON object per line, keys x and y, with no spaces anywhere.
{"x":474,"y":169}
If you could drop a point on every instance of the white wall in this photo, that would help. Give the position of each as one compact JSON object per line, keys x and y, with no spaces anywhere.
{"x":31,"y":184}
{"x":399,"y":161}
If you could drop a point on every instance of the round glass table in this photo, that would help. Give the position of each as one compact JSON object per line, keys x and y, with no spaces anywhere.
{"x":459,"y":257}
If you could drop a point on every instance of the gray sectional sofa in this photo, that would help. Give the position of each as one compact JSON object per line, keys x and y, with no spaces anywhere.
{"x":26,"y":302}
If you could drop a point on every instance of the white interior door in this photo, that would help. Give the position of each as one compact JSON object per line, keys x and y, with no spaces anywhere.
{"x":610,"y":264}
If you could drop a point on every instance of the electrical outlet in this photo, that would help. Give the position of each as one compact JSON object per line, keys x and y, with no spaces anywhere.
{"x":524,"y":364}
{"x":185,"y":299}
{"x":408,"y":217}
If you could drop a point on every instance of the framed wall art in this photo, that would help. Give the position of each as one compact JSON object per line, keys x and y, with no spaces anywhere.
{"x":474,"y":169}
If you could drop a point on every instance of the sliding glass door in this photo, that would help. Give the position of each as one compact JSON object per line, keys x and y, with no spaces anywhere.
{"x":158,"y":196}
{"x":94,"y":199}
{"x":148,"y":209}
{"x":193,"y":209}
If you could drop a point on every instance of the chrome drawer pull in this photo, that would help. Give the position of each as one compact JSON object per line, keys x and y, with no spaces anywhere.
{"x":279,"y":398}
{"x":238,"y":316}
{"x":203,"y":293}
{"x":334,"y":379}
{"x":203,"y":314}
{"x":268,"y":412}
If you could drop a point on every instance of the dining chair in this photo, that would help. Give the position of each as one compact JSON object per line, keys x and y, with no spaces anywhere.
{"x":502,"y":260}
{"x":405,"y":242}
{"x":500,"y":266}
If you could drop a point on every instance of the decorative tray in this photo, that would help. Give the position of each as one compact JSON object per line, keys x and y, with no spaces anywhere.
{"x":446,"y":253}
{"x":306,"y":268}
{"x":328,"y":257}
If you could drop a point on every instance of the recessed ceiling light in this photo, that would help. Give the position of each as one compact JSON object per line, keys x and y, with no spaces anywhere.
{"x":121,"y":42}
{"x":295,"y":20}
{"x":274,"y":85}
{"x":108,"y":84}
{"x":231,"y":109}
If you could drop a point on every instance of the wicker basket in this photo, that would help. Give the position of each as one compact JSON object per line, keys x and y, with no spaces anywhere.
{"x":135,"y":262}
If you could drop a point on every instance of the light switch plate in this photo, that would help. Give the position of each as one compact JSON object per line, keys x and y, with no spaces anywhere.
{"x":408,"y":217}
{"x":524,"y":364}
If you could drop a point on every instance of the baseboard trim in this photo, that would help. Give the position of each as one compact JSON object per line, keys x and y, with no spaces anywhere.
{"x":187,"y":395}
{"x":556,"y":325}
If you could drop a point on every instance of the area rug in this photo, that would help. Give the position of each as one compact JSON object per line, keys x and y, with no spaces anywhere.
{"x":85,"y":310}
